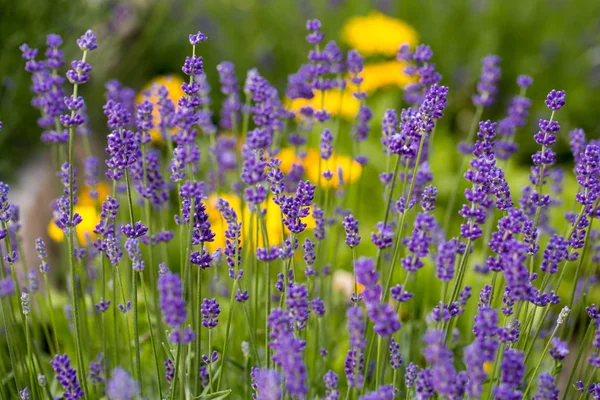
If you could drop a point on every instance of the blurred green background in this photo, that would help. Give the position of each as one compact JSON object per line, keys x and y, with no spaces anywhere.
{"x":555,"y":41}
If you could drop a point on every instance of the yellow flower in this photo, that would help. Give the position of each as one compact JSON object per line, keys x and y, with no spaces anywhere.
{"x":173,"y":84}
{"x":289,"y":157}
{"x":338,"y":103}
{"x":488,"y":366}
{"x":350,"y":169}
{"x":272,"y":221}
{"x":103,"y":190}
{"x":383,"y":74}
{"x":377,"y":33}
{"x":84,"y":230}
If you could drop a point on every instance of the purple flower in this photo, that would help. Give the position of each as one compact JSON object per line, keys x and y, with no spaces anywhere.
{"x":67,"y":377}
{"x":135,"y":231}
{"x":266,"y":383}
{"x":420,"y":67}
{"x":411,"y":375}
{"x":96,"y":374}
{"x":424,"y":384}
{"x":587,"y":169}
{"x":353,"y":366}
{"x":326,"y":146}
{"x":210,"y":312}
{"x":486,"y":322}
{"x":428,"y":198}
{"x":546,"y":388}
{"x":384,"y":236}
{"x":288,"y":352}
{"x":169,"y":371}
{"x":399,"y":294}
{"x":559,"y":349}
{"x":102,"y":305}
{"x":577,"y":143}
{"x":313,"y":26}
{"x":331,"y":384}
{"x":298,"y":305}
{"x":318,"y":307}
{"x":556,"y":100}
{"x":172,"y":303}
{"x":135,"y":255}
{"x":524,"y":81}
{"x":351,"y":227}
{"x":482,"y":350}
{"x":113,"y":250}
{"x":182,"y":335}
{"x":356,"y":328}
{"x":481,"y":176}
{"x":418,"y":242}
{"x":384,"y":392}
{"x":445,"y":260}
{"x":230,"y":88}
{"x":512,"y":368}
{"x":395,"y":355}
{"x":122,"y":386}
{"x":87,"y":41}
{"x":487,"y":87}
{"x":241,"y":297}
{"x":556,"y":251}
{"x":196,"y":38}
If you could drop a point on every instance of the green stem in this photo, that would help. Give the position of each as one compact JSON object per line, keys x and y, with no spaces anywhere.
{"x":10,"y":346}
{"x":76,"y":316}
{"x":155,"y":353}
{"x":400,"y":228}
{"x":209,"y":366}
{"x":378,"y":365}
{"x":52,"y":321}
{"x":541,"y":358}
{"x":136,"y":335}
{"x":229,"y":318}
{"x":197,"y":327}
{"x":388,"y":205}
{"x":463,"y":160}
{"x":176,"y":371}
{"x":582,"y":347}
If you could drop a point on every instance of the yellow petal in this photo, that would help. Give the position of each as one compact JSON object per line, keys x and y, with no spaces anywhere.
{"x":377,"y":33}
{"x":384,"y":74}
{"x":336,"y":102}
{"x":84,"y":231}
{"x":350,"y":169}
{"x":173,"y":84}
{"x":54,"y":232}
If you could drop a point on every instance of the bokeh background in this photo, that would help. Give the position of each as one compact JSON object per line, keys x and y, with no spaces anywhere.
{"x":555,"y":41}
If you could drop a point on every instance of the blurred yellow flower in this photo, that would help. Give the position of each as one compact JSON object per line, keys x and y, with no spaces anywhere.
{"x":173,"y":84}
{"x":288,"y":157}
{"x":377,"y":33}
{"x":84,"y":230}
{"x":103,"y":190}
{"x":383,"y":74}
{"x":488,"y":367}
{"x":350,"y":169}
{"x":272,"y":221}
{"x":338,"y":103}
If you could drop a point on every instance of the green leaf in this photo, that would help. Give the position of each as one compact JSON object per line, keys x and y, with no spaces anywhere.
{"x":215,"y":396}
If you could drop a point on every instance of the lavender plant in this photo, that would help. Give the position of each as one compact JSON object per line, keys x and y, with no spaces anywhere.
{"x":219,"y":241}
